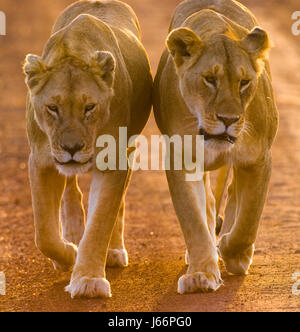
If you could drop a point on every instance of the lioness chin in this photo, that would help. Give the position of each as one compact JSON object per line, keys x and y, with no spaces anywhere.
{"x":214,"y":80}
{"x":93,"y":77}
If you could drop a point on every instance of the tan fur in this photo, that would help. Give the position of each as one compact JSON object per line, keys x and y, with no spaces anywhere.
{"x":93,"y":77}
{"x":215,"y":69}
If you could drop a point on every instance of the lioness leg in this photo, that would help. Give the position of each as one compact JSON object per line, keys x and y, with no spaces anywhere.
{"x":117,"y":255}
{"x":189,"y":199}
{"x":210,"y":211}
{"x":221,"y":184}
{"x":222,"y":178}
{"x":106,"y":194}
{"x":237,"y":246}
{"x":230,"y":210}
{"x":47,"y":187}
{"x":72,"y":212}
{"x":210,"y":208}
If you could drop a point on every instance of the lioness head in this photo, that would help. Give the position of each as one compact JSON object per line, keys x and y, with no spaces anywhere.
{"x":71,"y":101}
{"x":218,"y":80}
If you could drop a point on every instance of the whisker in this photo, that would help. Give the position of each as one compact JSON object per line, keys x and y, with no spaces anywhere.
{"x":191,"y":124}
{"x":248,"y":128}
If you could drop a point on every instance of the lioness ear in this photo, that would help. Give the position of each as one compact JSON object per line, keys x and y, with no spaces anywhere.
{"x":34,"y":69}
{"x":257,"y":43}
{"x":104,"y":64}
{"x":183,"y":45}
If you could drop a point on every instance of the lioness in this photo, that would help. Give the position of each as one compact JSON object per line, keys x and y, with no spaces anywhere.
{"x":93,"y":77}
{"x":214,"y":80}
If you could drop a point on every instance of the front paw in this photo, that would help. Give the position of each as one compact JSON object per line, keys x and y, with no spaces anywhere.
{"x":117,"y":258}
{"x":89,"y":288}
{"x":236,"y":261}
{"x":200,"y":282}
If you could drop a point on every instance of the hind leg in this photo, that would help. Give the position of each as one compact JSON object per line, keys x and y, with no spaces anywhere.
{"x":222,"y":178}
{"x":230,"y":210}
{"x":210,"y":208}
{"x":117,"y":255}
{"x":221,"y":185}
{"x":72,"y":212}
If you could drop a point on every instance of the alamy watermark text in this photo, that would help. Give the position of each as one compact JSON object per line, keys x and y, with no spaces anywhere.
{"x":296,"y":25}
{"x":2,"y":283}
{"x":187,"y":153}
{"x":2,"y":24}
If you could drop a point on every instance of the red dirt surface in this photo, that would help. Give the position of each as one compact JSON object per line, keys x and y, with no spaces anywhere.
{"x":154,"y":240}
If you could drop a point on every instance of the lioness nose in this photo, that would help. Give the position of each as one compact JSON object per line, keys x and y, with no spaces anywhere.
{"x":228,"y":121}
{"x":72,"y":149}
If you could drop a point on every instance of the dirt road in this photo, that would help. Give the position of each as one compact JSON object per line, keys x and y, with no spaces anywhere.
{"x":154,"y":240}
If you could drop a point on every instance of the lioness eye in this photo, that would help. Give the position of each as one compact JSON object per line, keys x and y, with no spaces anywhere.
{"x":245,"y":84}
{"x":211,"y":80}
{"x":89,"y":108}
{"x":52,"y":109}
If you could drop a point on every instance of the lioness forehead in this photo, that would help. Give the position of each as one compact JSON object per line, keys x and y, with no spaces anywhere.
{"x":72,"y":76}
{"x":223,"y":55}
{"x":70,"y":83}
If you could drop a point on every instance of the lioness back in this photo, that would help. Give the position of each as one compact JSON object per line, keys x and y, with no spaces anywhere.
{"x":112,"y":12}
{"x":229,"y":8}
